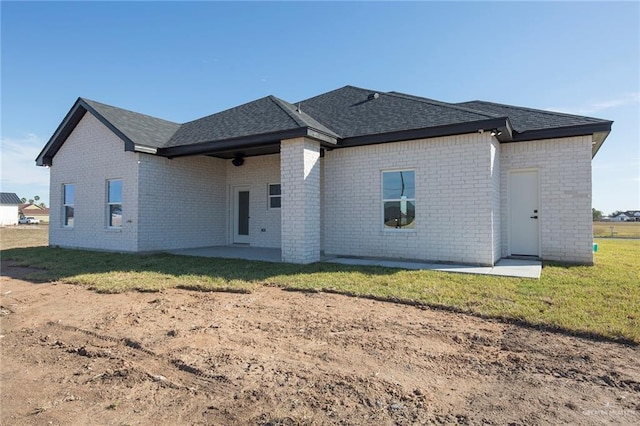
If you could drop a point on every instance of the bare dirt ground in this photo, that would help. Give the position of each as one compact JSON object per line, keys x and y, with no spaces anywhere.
{"x":71,"y":356}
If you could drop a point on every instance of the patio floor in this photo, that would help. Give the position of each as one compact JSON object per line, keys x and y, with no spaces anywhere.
{"x":504,"y":267}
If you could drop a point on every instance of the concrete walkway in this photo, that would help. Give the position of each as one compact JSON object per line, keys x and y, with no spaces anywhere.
{"x":504,"y":267}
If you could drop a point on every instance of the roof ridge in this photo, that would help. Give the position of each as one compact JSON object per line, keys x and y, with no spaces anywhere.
{"x":281,"y":104}
{"x":543,"y":111}
{"x":441,"y":103}
{"x":302,"y":118}
{"x":341,"y":88}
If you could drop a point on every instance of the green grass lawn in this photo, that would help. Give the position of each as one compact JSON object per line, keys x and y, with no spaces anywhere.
{"x":603,"y":300}
{"x":620,"y":229}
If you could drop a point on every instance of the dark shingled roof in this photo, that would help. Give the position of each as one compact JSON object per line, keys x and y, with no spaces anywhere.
{"x":139,"y":128}
{"x":527,"y":119}
{"x":262,"y":116}
{"x":351,"y":112}
{"x":9,"y":198}
{"x":344,"y":117}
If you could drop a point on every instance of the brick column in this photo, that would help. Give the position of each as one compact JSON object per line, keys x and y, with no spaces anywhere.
{"x":300,"y":209}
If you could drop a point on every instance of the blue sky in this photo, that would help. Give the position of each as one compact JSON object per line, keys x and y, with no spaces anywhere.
{"x":181,"y":61}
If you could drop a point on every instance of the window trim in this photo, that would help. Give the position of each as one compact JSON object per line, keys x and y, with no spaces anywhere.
{"x":270,"y":197}
{"x":383,"y":200}
{"x":110,"y":203}
{"x":65,"y":218}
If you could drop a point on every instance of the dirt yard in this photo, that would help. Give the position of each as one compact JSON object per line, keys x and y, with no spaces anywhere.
{"x":72,"y":356}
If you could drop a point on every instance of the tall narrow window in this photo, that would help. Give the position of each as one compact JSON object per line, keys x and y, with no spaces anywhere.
{"x":114,"y":203}
{"x":69,"y":195}
{"x":399,"y":199}
{"x":274,"y":196}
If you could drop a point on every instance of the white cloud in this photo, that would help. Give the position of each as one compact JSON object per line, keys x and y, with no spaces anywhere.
{"x":594,"y":107}
{"x":19,"y":171}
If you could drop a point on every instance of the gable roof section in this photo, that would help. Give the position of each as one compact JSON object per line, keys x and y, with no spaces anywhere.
{"x":139,"y":132}
{"x":9,"y":198}
{"x":139,"y":128}
{"x":344,"y":117}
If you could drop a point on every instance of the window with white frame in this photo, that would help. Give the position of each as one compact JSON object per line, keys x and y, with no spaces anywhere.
{"x":68,"y":202}
{"x":399,"y":199}
{"x":114,"y":203}
{"x":275,"y":196}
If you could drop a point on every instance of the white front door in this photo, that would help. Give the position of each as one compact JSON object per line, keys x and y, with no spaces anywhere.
{"x":524,"y":216}
{"x":241,"y":215}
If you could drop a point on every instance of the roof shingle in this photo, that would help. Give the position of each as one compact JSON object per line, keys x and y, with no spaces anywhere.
{"x":139,"y":128}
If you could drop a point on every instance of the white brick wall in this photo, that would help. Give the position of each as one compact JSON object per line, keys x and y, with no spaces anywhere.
{"x":256,"y":173}
{"x":182,"y":202}
{"x":300,"y":178}
{"x":454,"y":200}
{"x":91,"y":155}
{"x":564,"y":173}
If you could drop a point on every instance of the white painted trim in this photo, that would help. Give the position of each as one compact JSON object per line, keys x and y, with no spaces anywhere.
{"x":381,"y":201}
{"x":145,"y":149}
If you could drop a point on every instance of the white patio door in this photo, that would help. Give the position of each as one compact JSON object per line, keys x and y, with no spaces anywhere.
{"x":241,"y":215}
{"x":524,"y":217}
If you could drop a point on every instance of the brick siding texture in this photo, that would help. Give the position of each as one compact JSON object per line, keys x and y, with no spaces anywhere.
{"x":182,"y":202}
{"x":455,"y":197}
{"x":91,"y":155}
{"x":564,"y":174}
{"x":300,"y":177}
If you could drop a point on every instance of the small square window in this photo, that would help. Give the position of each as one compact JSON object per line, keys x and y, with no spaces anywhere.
{"x":275,"y":196}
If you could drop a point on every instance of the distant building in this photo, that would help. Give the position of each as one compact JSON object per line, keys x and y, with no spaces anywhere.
{"x":628,"y":216}
{"x":30,"y":209}
{"x":9,"y":202}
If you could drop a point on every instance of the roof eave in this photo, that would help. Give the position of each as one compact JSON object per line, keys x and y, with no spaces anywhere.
{"x":598,"y":131}
{"x":145,"y":149}
{"x":501,"y":124}
{"x":69,"y":122}
{"x":597,"y":141}
{"x":245,"y":142}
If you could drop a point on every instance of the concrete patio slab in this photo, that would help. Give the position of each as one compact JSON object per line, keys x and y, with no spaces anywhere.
{"x":504,"y":267}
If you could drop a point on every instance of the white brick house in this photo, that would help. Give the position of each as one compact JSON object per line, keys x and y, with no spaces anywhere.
{"x":349,"y":172}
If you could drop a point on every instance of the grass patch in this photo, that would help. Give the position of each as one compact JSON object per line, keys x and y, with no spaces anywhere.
{"x":603,"y":300}
{"x":620,"y":229}
{"x":24,"y":236}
